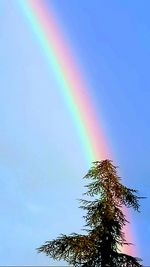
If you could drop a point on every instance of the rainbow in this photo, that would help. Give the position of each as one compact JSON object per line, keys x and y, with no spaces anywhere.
{"x":73,"y":89}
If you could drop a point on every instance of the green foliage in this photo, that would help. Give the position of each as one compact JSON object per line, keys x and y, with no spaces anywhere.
{"x":104,"y":223}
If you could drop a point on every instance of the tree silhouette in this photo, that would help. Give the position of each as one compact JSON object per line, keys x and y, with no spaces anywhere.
{"x":104,"y":223}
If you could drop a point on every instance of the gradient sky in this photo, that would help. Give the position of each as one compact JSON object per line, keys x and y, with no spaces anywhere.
{"x":41,"y":160}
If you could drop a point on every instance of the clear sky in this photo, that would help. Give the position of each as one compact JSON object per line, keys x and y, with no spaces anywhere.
{"x":41,"y":160}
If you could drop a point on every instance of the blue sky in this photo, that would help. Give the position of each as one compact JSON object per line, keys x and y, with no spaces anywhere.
{"x":41,"y":160}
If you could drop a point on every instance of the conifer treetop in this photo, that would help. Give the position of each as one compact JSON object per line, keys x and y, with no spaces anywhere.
{"x":104,"y":223}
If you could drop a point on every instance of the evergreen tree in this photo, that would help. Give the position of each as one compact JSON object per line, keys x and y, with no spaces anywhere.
{"x":104,"y":223}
